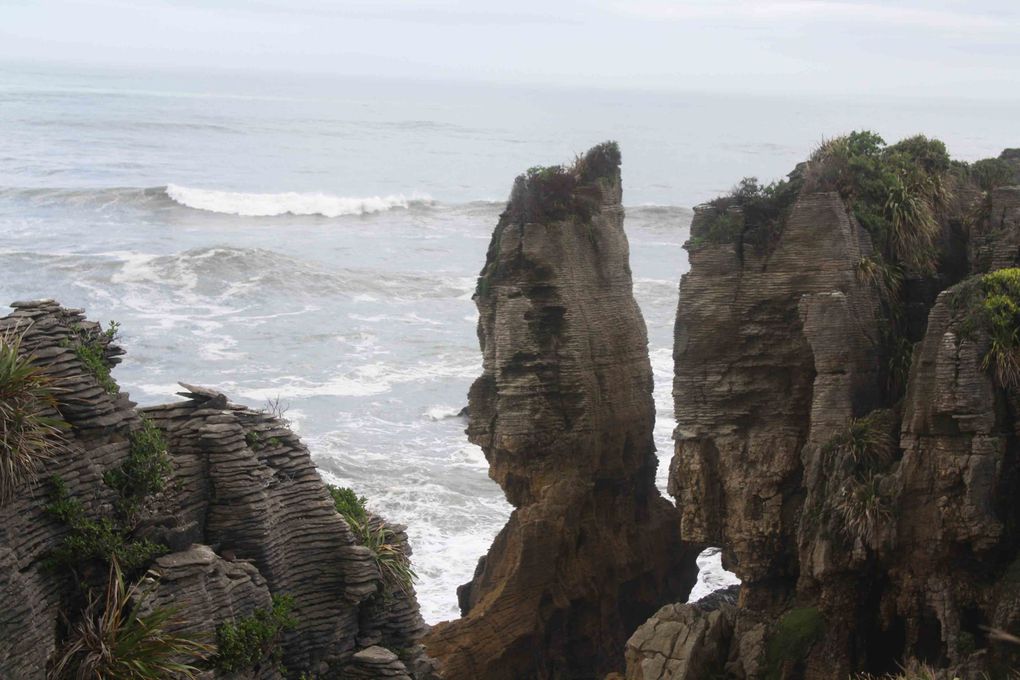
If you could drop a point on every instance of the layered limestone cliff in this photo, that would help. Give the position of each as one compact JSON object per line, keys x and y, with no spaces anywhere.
{"x":563,"y":411}
{"x":870,"y":512}
{"x":242,"y":518}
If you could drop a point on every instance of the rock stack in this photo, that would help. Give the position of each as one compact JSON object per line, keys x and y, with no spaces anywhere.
{"x":563,"y":411}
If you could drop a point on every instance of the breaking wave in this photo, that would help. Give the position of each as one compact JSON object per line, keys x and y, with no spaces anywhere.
{"x":292,"y":203}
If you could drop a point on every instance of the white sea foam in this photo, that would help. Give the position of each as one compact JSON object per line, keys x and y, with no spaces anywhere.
{"x":442,"y":412}
{"x":293,"y":203}
{"x":711,"y":576}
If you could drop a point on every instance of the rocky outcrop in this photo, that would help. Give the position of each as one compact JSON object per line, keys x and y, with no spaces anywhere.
{"x":688,"y":642}
{"x":564,"y":413}
{"x":772,"y":349}
{"x":994,"y":239}
{"x":871,"y":525}
{"x":244,"y":517}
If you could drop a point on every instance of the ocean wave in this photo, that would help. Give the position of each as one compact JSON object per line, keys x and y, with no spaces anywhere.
{"x":236,"y":275}
{"x":175,"y":196}
{"x":289,"y":203}
{"x":245,"y":204}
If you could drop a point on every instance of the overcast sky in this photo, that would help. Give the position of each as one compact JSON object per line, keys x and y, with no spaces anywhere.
{"x":955,"y":48}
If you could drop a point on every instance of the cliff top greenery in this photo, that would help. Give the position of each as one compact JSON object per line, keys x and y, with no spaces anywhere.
{"x":558,"y":192}
{"x":897,"y":192}
{"x":751,"y":213}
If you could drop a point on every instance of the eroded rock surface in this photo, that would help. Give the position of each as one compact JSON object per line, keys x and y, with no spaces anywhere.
{"x":852,"y":559}
{"x":244,"y":517}
{"x":564,"y":414}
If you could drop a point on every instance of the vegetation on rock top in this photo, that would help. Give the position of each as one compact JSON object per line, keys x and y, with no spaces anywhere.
{"x":555,"y":193}
{"x":752,"y":213}
{"x":896,"y":192}
{"x":90,"y":347}
{"x":389,"y":556}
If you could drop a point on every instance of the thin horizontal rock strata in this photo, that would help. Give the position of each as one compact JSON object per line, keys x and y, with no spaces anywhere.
{"x":564,"y":413}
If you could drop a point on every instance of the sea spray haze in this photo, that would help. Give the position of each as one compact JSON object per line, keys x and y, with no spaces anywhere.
{"x":318,"y":240}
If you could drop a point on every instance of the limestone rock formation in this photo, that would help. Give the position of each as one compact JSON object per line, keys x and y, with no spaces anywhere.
{"x":872,"y":523}
{"x":563,"y":411}
{"x":244,"y":517}
{"x":770,"y":349}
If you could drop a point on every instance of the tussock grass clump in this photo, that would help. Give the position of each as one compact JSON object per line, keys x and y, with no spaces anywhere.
{"x":866,"y":443}
{"x":992,"y":303}
{"x":31,"y":431}
{"x":248,"y":643}
{"x":393,"y":563}
{"x":116,"y":639}
{"x":884,"y":277}
{"x":863,"y":509}
{"x":854,"y":459}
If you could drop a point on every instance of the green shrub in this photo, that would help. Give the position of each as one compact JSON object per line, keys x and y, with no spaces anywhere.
{"x":991,"y":173}
{"x":247,"y":643}
{"x":896,"y":192}
{"x":90,"y":348}
{"x":349,"y":504}
{"x":94,"y":539}
{"x":390,"y":558}
{"x":145,"y":472}
{"x":556,"y":192}
{"x":117,"y":640}
{"x":30,"y":430}
{"x":752,"y":213}
{"x":795,"y":634}
{"x":991,"y":303}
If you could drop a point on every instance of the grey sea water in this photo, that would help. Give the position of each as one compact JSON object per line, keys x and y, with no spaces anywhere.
{"x":317,"y":240}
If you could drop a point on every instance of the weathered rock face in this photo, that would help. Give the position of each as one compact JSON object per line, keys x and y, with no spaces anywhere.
{"x":771,"y":349}
{"x":244,"y":517}
{"x":848,"y":564}
{"x":564,"y":414}
{"x":994,"y":241}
